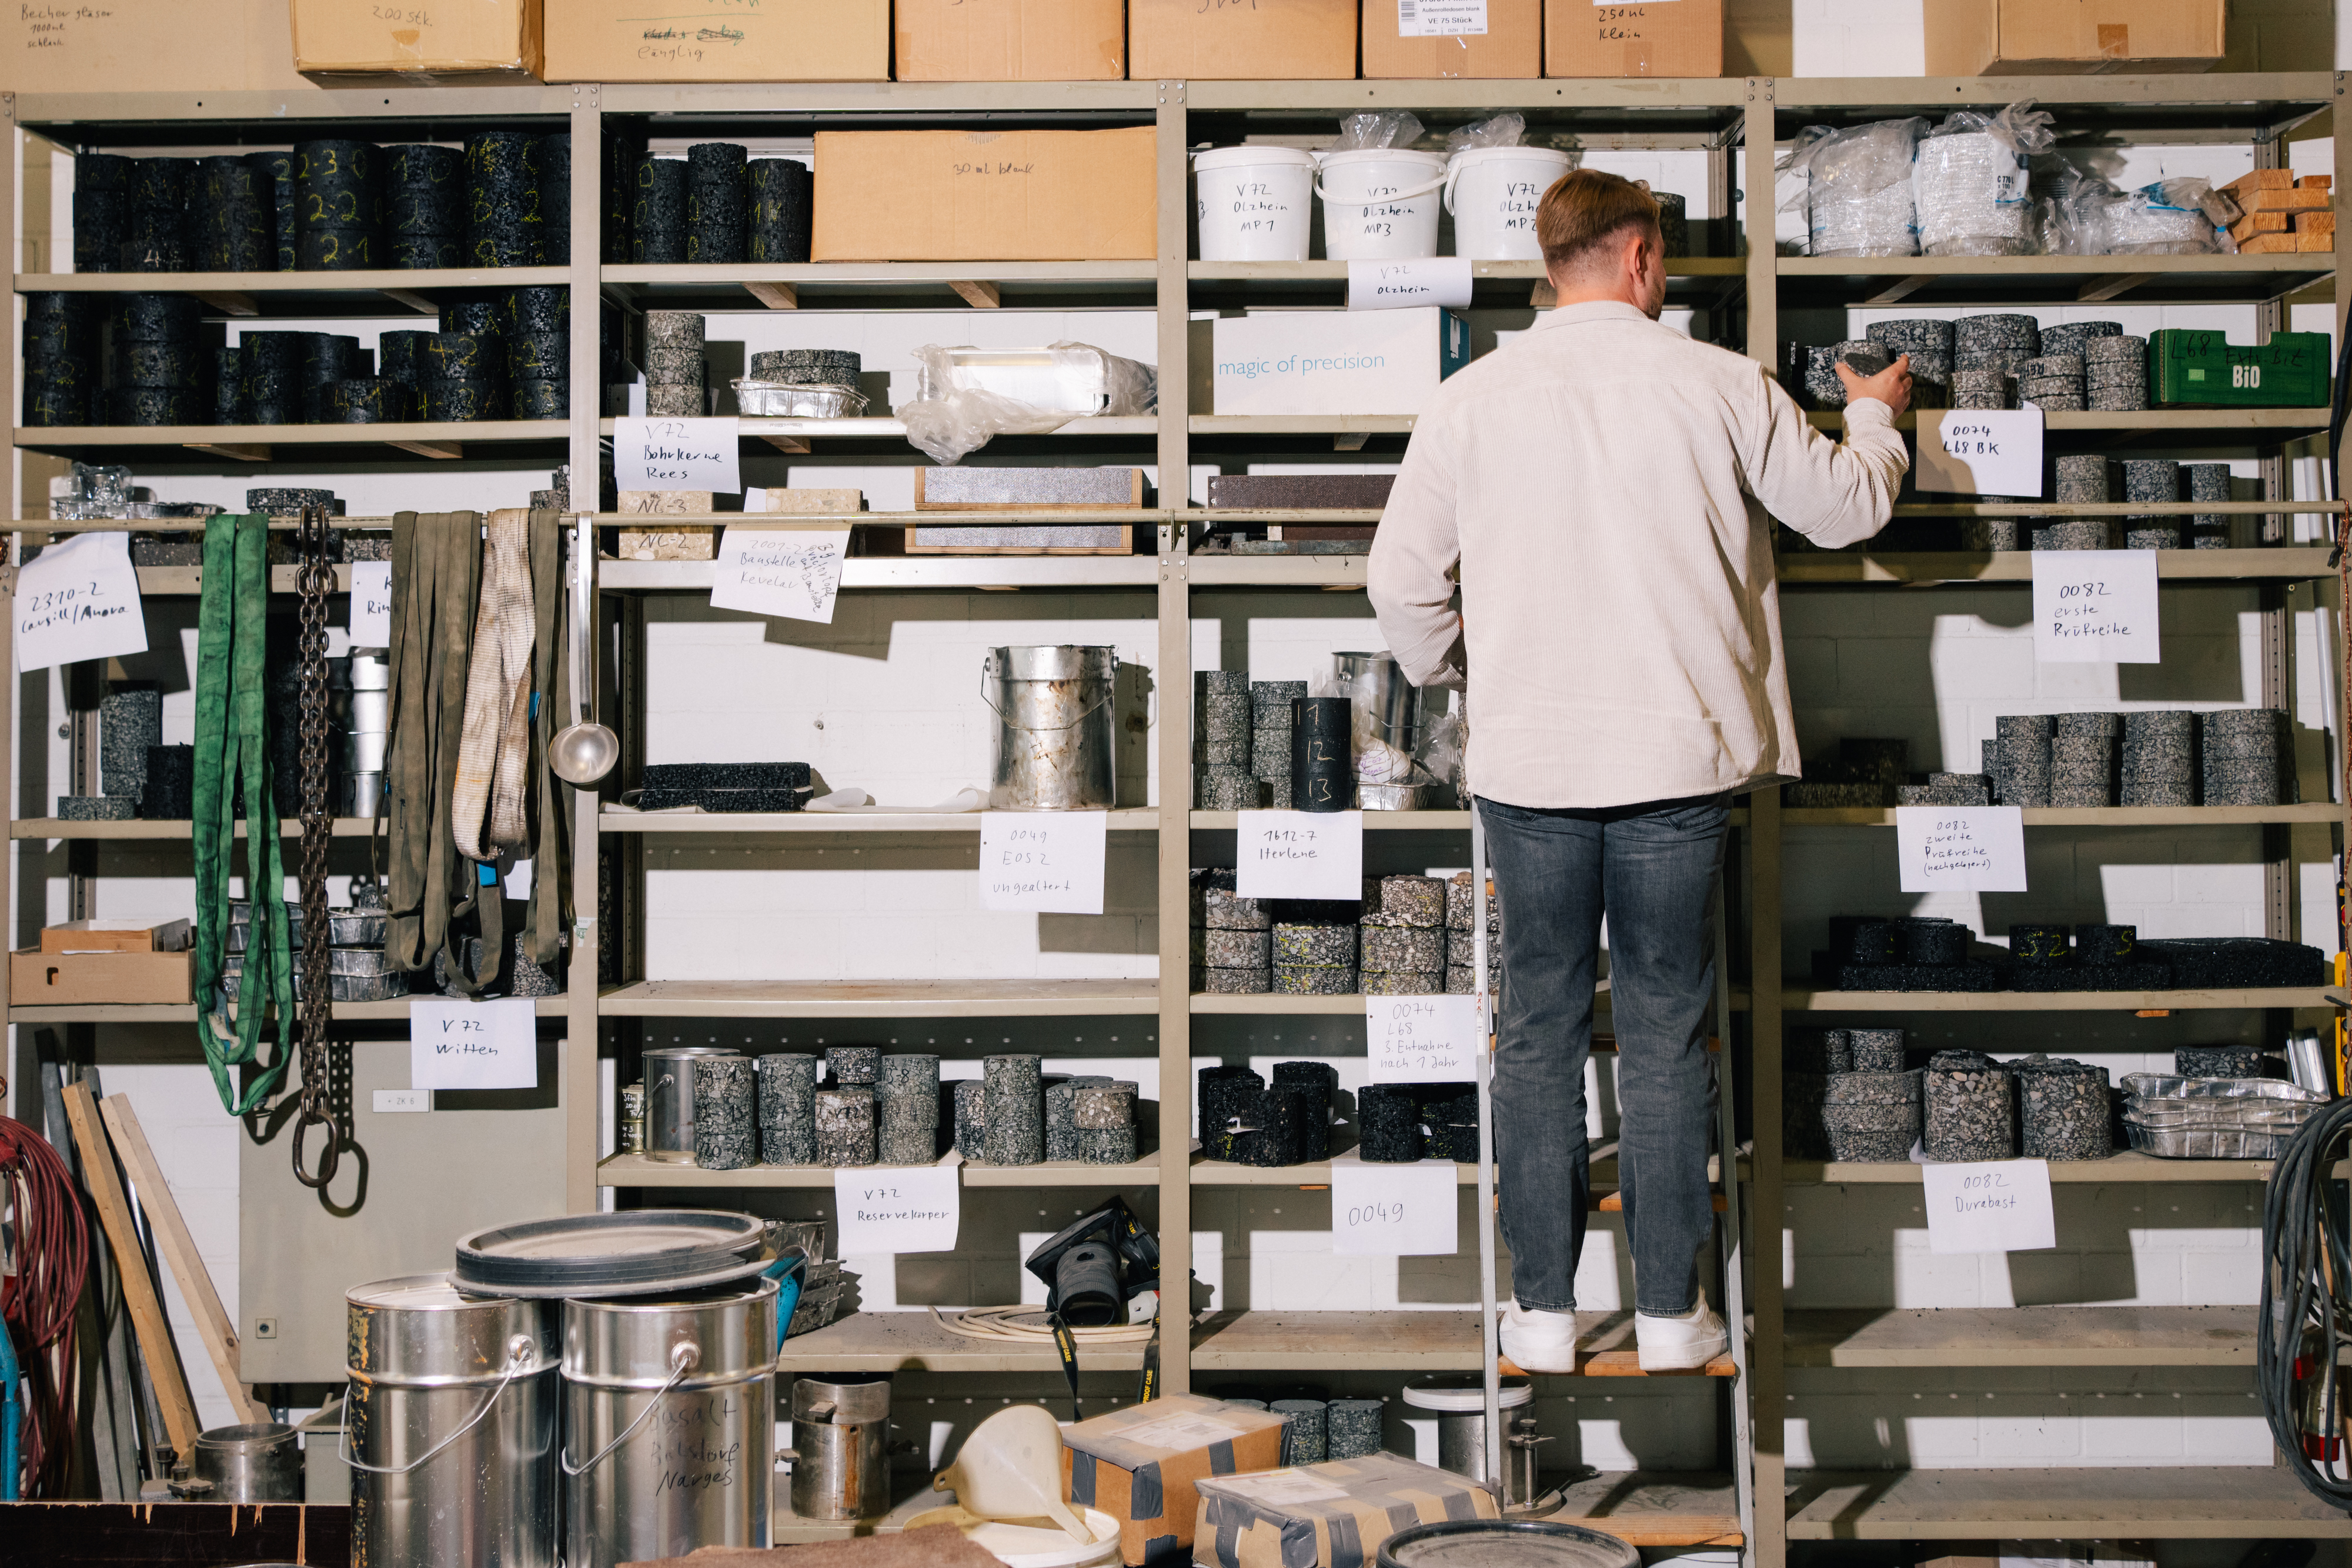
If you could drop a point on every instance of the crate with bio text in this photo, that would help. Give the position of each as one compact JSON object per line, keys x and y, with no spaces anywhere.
{"x":2191,"y":369}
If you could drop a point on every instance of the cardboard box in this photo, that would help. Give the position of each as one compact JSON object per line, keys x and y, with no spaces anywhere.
{"x":485,"y":39}
{"x":1267,"y":40}
{"x":115,"y":937}
{"x":1334,"y":362}
{"x":1484,"y":38}
{"x":1012,"y":40}
{"x":128,"y":46}
{"x":719,"y":40}
{"x":1140,"y":1465}
{"x":38,"y":979}
{"x":2038,"y":37}
{"x":985,"y":196}
{"x":1332,"y":1515}
{"x":1656,"y":38}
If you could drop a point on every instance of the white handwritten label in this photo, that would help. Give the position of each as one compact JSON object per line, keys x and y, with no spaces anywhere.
{"x":370,"y":604}
{"x":1441,"y":18}
{"x":394,"y":1102}
{"x":1401,"y":285}
{"x":1960,"y":849}
{"x":1988,"y":1206}
{"x":79,"y":601}
{"x":1299,"y":854}
{"x":1990,"y":452}
{"x":677,"y":455}
{"x":1181,"y":1434}
{"x":1282,"y":1488}
{"x":2094,"y":607}
{"x":896,"y":1209}
{"x":1423,"y":1039}
{"x":795,"y":573}
{"x":1051,"y":862}
{"x":456,"y":1044}
{"x":1394,"y":1211}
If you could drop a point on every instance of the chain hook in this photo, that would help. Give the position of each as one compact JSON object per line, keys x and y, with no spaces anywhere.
{"x":316,"y":1001}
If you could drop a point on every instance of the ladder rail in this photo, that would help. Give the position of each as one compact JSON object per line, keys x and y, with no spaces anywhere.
{"x":1729,"y":1243}
{"x":1489,"y":1330}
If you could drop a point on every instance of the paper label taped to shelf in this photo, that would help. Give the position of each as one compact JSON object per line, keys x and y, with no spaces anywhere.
{"x":456,"y":1044}
{"x":1988,"y":1206}
{"x":1394,"y":1210}
{"x":1404,"y":284}
{"x":795,"y":573}
{"x":1441,"y":19}
{"x":1988,"y":452}
{"x":1299,"y":854}
{"x":370,"y":604}
{"x":896,"y":1209}
{"x":675,"y":454}
{"x":1051,"y":862}
{"x":1960,"y":849}
{"x":2094,"y":607}
{"x":1422,"y":1039}
{"x":79,"y":599}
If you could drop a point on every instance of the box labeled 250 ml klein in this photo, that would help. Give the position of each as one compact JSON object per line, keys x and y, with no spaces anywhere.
{"x":1334,"y":362}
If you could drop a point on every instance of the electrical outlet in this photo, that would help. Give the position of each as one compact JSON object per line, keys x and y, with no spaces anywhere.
{"x":265,"y":1328}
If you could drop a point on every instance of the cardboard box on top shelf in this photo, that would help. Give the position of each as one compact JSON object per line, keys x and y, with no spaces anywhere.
{"x":155,"y":45}
{"x":1420,"y":40}
{"x":1266,"y":40}
{"x":1661,"y":38}
{"x":2001,"y":38}
{"x":485,"y":40}
{"x":719,"y":40}
{"x":985,"y":196}
{"x":1010,"y":40}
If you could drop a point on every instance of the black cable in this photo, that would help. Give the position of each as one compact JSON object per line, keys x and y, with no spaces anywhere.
{"x":2305,"y":1319}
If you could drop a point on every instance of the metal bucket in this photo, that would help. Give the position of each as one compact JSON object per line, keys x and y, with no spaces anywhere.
{"x":669,"y":1423}
{"x":841,"y":1448}
{"x":261,"y":1462}
{"x":1054,"y":727}
{"x":451,"y":1427}
{"x":669,"y":1100}
{"x":1375,"y":683}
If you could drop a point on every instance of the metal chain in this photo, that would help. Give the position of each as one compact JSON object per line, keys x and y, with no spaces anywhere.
{"x":316,"y":580}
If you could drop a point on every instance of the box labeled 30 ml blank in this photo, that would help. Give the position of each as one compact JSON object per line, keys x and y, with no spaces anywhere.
{"x":1335,"y":361}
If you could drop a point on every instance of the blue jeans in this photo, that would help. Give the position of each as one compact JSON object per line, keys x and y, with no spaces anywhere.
{"x":1654,"y":869}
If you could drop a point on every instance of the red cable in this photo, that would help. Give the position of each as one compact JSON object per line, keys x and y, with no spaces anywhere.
{"x":37,"y":1302}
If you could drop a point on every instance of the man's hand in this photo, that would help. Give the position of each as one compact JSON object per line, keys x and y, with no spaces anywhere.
{"x":1891,"y":386}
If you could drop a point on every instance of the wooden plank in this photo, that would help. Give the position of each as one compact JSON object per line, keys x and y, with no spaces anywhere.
{"x":795,"y":445}
{"x":1644,"y":1508}
{"x":879,"y":999}
{"x":1897,"y":290}
{"x":915,"y":1342}
{"x":2022,"y":1336}
{"x":2112,"y":284}
{"x":980,"y":295}
{"x":2043,"y":1502}
{"x":147,"y":1317}
{"x":179,"y":1251}
{"x":440,"y":449}
{"x":421,"y":303}
{"x":230,"y":301}
{"x":241,"y":451}
{"x":775,"y":295}
{"x":1400,"y":1340}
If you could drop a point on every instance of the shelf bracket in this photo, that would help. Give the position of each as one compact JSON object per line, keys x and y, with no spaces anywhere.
{"x":775,"y":295}
{"x":1899,"y":288}
{"x":230,"y":301}
{"x":413,"y":300}
{"x":980,"y":295}
{"x":1542,"y":297}
{"x":444,"y":449}
{"x":796,"y":444}
{"x":1351,"y":440}
{"x":242,"y":451}
{"x":2112,"y":284}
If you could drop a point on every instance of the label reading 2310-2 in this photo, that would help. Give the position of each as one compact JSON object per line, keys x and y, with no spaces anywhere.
{"x":77,"y":600}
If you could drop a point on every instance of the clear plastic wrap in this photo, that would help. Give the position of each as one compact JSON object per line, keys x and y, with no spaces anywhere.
{"x":2165,"y":218}
{"x":1389,"y":127}
{"x":2073,"y":218}
{"x":957,"y":412}
{"x":1503,"y":131}
{"x":1856,"y":192}
{"x":1970,"y":178}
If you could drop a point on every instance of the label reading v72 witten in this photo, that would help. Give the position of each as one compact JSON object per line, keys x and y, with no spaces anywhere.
{"x":472,"y":1045}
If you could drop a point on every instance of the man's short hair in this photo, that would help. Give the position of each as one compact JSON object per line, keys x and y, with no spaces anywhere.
{"x":1584,"y":210}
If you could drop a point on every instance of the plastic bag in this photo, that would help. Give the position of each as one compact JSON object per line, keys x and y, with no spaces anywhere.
{"x":1389,"y":128}
{"x":1857,"y":193}
{"x":1502,"y":130}
{"x":956,"y":413}
{"x":2165,"y":218}
{"x":1444,"y":739}
{"x":2074,"y":219}
{"x":1970,"y":182}
{"x":1380,"y":757}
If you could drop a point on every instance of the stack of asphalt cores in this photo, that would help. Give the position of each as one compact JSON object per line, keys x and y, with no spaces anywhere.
{"x":551,"y":168}
{"x":504,"y":224}
{"x":1090,"y":1119}
{"x":1272,"y":707}
{"x":1222,"y":730}
{"x":1928,"y":344}
{"x":2156,"y":479}
{"x":619,"y":153}
{"x":1388,"y":1125}
{"x":1315,"y":946}
{"x":725,"y":787}
{"x":2022,"y":752}
{"x":1970,"y":1108}
{"x":1449,"y":1115}
{"x":2153,"y":757}
{"x":101,"y":211}
{"x":726,"y":1113}
{"x":2116,"y":374}
{"x":1233,"y":937}
{"x":159,"y":239}
{"x":1462,"y":938}
{"x":1847,"y":1096}
{"x":2237,"y":963}
{"x":232,"y":216}
{"x":674,"y":368}
{"x":1013,"y":1108}
{"x":222,"y":214}
{"x":130,"y":725}
{"x":787,"y":1109}
{"x":718,"y":198}
{"x":160,"y":362}
{"x":277,"y":188}
{"x":536,"y":322}
{"x":1400,"y":938}
{"x":846,"y":1107}
{"x":907,"y":1115}
{"x":2248,"y":757}
{"x":780,"y":200}
{"x":2076,"y":338}
{"x":2085,"y":750}
{"x":2065,"y":1108}
{"x":1869,"y":953}
{"x":338,"y":206}
{"x":2208,"y":482}
{"x":1861,"y":355}
{"x":1246,"y":1120}
{"x":61,"y":358}
{"x":2220,"y":1061}
{"x":465,"y":369}
{"x":170,"y":794}
{"x":808,"y":367}
{"x":285,"y":378}
{"x":657,"y":218}
{"x":2082,"y":480}
{"x":2090,"y":958}
{"x":424,"y":207}
{"x":1947,"y":789}
{"x":2052,"y":383}
{"x":1866,"y":772}
{"x":2160,"y":758}
{"x":1989,"y":359}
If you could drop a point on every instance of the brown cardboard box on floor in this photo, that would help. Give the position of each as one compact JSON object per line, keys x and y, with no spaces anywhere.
{"x":130,"y":46}
{"x":1509,"y":43}
{"x":719,"y":40}
{"x":1996,"y":37}
{"x":1010,"y":40}
{"x":1676,"y":38}
{"x":1139,"y":1464}
{"x":1266,"y":40}
{"x":985,"y":196}
{"x":474,"y":43}
{"x":38,"y":979}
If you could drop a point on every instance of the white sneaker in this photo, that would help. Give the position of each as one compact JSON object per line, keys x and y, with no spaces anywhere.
{"x":1537,"y":1340}
{"x":1680,"y":1343}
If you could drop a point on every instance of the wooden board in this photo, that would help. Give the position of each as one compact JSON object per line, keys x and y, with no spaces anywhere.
{"x":878,"y":998}
{"x":154,"y":1330}
{"x":915,"y":1342}
{"x":179,"y":1251}
{"x":1644,"y":1508}
{"x":2021,"y":1336}
{"x":2042,"y":1504}
{"x":1400,"y":1340}
{"x":117,"y":1534}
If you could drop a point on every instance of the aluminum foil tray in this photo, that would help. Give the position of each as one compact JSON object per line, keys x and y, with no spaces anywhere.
{"x":2205,"y":1143}
{"x":787,"y":400}
{"x":2148,"y":1086}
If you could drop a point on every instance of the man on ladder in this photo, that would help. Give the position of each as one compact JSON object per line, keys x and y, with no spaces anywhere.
{"x":1604,"y":485}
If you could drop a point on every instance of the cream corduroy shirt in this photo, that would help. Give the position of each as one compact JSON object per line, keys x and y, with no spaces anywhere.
{"x":1603,"y":484}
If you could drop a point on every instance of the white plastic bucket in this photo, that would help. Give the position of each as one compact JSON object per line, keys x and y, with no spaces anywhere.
{"x":1493,"y":193}
{"x":1253,"y":203}
{"x":1380,"y":204}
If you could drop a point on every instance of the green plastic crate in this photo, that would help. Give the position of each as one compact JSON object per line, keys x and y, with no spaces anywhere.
{"x":2195,"y":368}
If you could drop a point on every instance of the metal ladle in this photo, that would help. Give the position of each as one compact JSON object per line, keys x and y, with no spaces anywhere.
{"x":585,"y":752}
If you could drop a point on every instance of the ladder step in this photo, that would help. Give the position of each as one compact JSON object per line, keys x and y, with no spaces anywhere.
{"x":1660,"y":1529}
{"x":1614,"y":1203}
{"x":1626,"y":1363}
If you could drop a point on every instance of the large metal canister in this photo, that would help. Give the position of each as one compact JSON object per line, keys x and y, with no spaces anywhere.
{"x":452,"y":1414}
{"x":259,"y":1462}
{"x":1055,"y":728}
{"x":841,"y":1448}
{"x":669,"y":1429}
{"x":669,"y":1100}
{"x":1375,"y":683}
